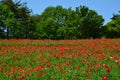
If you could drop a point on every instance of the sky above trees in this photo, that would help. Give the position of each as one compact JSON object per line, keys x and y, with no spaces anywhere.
{"x":106,"y":8}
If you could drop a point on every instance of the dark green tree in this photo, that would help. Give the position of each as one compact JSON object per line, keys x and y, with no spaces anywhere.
{"x":6,"y":21}
{"x":112,"y":28}
{"x":89,"y":22}
{"x":22,"y":18}
{"x":51,"y":19}
{"x":34,"y":20}
{"x":54,"y":23}
{"x":60,"y":23}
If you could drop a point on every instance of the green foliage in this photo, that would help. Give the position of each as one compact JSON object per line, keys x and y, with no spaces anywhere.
{"x":15,"y":19}
{"x":60,"y":23}
{"x":112,"y":29}
{"x":6,"y":20}
{"x":91,"y":24}
{"x":54,"y":23}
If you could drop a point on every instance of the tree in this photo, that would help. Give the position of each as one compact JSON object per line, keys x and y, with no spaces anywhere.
{"x":112,"y":28}
{"x":22,"y":18}
{"x":89,"y":22}
{"x":6,"y":21}
{"x":34,"y":20}
{"x":51,"y":19}
{"x":46,"y":29}
{"x":60,"y":23}
{"x":54,"y":23}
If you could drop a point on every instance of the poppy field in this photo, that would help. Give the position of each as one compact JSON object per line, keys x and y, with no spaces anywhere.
{"x":89,"y":59}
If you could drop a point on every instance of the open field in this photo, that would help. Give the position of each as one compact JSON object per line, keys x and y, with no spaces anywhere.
{"x":95,"y":59}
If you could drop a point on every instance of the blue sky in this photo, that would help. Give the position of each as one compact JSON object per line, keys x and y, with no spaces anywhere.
{"x":106,"y":8}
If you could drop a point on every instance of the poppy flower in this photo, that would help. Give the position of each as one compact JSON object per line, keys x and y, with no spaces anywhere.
{"x":105,"y":78}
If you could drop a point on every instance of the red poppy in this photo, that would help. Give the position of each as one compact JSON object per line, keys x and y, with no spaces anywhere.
{"x":52,"y":77}
{"x":20,"y":79}
{"x":105,"y":78}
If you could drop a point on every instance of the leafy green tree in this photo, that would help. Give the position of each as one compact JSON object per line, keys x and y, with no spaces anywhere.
{"x":34,"y":20}
{"x":94,"y":23}
{"x":61,"y":33}
{"x":60,"y":23}
{"x":112,"y":28}
{"x":22,"y":18}
{"x":6,"y":21}
{"x":54,"y":23}
{"x":89,"y":22}
{"x":51,"y":19}
{"x":46,"y":29}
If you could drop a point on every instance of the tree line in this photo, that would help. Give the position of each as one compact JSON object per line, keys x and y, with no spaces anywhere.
{"x":16,"y":21}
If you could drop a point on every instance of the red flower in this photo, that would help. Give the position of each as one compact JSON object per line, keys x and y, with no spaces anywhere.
{"x":21,"y":71}
{"x":59,"y":69}
{"x":20,"y":79}
{"x":36,"y":69}
{"x":107,"y":67}
{"x":119,"y":49}
{"x":52,"y":77}
{"x":75,"y":76}
{"x":78,"y":68}
{"x":105,"y":78}
{"x":116,"y":60}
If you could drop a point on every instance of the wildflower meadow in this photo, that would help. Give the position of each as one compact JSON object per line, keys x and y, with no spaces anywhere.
{"x":89,"y":59}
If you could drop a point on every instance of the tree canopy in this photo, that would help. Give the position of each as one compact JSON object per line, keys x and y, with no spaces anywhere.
{"x":57,"y":22}
{"x":61,"y":23}
{"x":18,"y":15}
{"x":112,"y":28}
